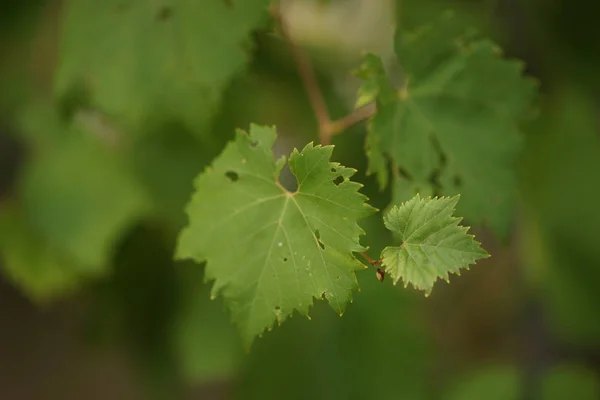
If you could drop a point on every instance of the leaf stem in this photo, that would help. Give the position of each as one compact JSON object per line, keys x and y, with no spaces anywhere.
{"x":369,"y":259}
{"x":307,"y":75}
{"x":356,"y":117}
{"x":327,"y":127}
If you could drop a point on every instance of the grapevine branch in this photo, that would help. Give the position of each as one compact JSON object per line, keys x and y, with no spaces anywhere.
{"x":327,"y":127}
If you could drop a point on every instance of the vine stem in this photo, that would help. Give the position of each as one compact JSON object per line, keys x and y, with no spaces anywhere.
{"x":369,"y":259}
{"x":327,"y":127}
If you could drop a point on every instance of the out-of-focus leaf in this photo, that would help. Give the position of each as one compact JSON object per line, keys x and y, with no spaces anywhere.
{"x":156,"y":62}
{"x":81,"y":197}
{"x":461,"y":100}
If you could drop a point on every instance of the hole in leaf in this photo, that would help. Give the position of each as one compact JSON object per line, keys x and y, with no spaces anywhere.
{"x":254,"y":143}
{"x":338,"y":180}
{"x":333,"y":170}
{"x":318,"y":237}
{"x":164,"y":13}
{"x":232,"y":176}
{"x":277,"y":308}
{"x":284,"y":258}
{"x":287,"y":179}
{"x":324,"y":296}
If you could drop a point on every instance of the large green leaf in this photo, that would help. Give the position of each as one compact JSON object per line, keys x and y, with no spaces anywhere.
{"x":270,"y":251}
{"x":456,"y":112}
{"x":432,"y":243}
{"x":167,"y":60}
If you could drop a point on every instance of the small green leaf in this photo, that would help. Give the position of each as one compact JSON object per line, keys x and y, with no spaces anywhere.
{"x":432,"y":243}
{"x":269,"y":250}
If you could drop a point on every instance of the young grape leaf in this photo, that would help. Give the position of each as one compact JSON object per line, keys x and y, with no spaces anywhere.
{"x":270,"y":251}
{"x":162,"y":61}
{"x":457,"y":113}
{"x":432,"y":243}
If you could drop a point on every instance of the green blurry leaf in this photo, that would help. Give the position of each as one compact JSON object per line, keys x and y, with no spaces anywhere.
{"x":271,"y":251}
{"x":81,"y":198}
{"x":459,"y":99}
{"x":372,"y":73}
{"x":433,"y":244}
{"x":38,"y":268}
{"x":570,"y":382}
{"x":490,"y":383}
{"x":143,"y":61}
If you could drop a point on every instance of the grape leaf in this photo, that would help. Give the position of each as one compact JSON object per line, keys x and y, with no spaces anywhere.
{"x":35,"y":266}
{"x":168,"y":61}
{"x":270,"y":251}
{"x":433,"y":244}
{"x":457,"y":113}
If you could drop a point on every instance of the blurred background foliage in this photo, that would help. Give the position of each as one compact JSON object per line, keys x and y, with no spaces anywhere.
{"x":92,"y":305}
